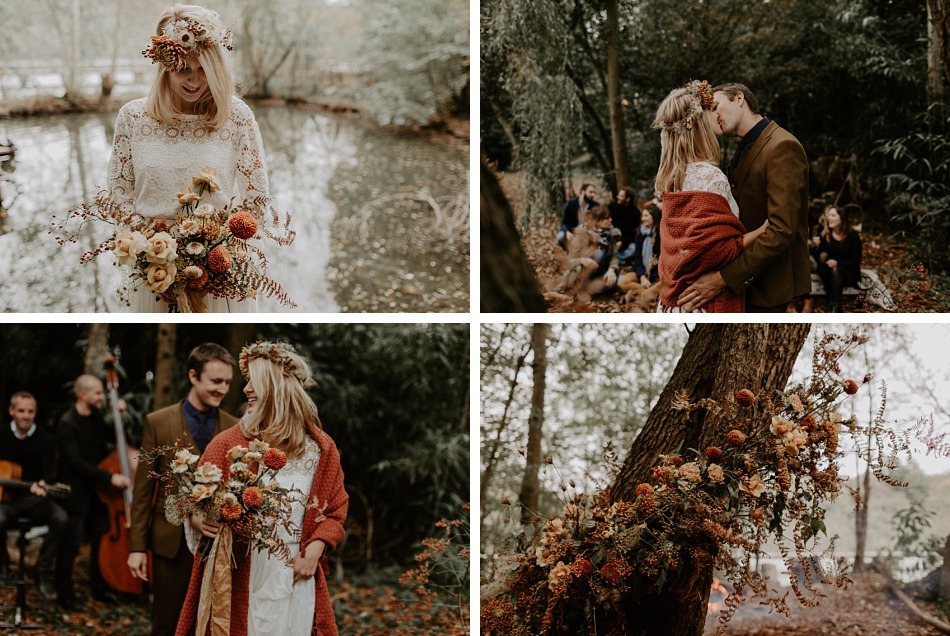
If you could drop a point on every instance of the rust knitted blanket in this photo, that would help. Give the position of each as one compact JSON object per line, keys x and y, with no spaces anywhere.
{"x":700,"y":234}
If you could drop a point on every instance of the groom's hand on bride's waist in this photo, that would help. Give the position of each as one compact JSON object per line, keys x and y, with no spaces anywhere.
{"x":701,"y":291}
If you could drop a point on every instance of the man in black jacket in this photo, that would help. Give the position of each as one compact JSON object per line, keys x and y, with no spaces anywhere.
{"x":31,"y":448}
{"x":81,"y":438}
{"x":570,"y":216}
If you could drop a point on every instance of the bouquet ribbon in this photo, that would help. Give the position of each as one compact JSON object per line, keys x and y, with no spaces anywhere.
{"x":215,"y":596}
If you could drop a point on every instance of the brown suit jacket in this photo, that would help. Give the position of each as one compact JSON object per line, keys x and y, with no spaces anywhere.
{"x":150,"y":530}
{"x":771,"y":182}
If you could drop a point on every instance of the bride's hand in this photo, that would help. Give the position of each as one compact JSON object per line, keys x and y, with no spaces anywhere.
{"x":205,"y":526}
{"x":306,"y":567}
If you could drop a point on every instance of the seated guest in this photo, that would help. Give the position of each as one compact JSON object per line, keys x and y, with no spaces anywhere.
{"x":625,"y":217}
{"x":570,"y":216}
{"x":838,"y":252}
{"x":606,"y":255}
{"x":31,"y":448}
{"x":647,"y":243}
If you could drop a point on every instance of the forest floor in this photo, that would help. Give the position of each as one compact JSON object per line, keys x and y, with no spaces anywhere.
{"x":865,"y":608}
{"x":912,"y":288}
{"x":371,"y":603}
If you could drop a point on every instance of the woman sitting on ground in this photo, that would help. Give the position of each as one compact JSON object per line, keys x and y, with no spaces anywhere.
{"x":838,"y":252}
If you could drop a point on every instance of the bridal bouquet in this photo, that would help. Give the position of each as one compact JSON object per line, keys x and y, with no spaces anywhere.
{"x":204,"y":250}
{"x":248,"y":503}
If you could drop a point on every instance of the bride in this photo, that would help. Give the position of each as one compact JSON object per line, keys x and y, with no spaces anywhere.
{"x":191,"y":120}
{"x":267,"y":596}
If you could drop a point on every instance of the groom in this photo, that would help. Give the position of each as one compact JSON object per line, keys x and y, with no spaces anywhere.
{"x":769,"y":178}
{"x":189,"y":424}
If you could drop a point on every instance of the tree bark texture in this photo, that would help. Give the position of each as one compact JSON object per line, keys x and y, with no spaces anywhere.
{"x":939,"y":42}
{"x":617,"y":131}
{"x":239,"y":335}
{"x":944,"y":590}
{"x":97,"y":347}
{"x":528,"y":498}
{"x":507,"y":280}
{"x":718,"y":360}
{"x":164,"y":365}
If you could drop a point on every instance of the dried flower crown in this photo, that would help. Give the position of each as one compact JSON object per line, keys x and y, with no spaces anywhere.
{"x":277,"y":353}
{"x":180,"y":38}
{"x":701,"y":99}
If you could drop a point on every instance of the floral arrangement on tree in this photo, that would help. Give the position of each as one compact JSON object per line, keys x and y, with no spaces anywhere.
{"x":204,"y":250}
{"x":767,"y":478}
{"x":248,"y":503}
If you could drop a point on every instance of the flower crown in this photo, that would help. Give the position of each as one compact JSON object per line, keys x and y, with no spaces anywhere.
{"x":181,"y":38}
{"x":276,"y":353}
{"x":701,"y":99}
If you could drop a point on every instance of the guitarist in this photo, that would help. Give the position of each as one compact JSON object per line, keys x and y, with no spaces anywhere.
{"x":190,"y":424}
{"x":81,"y":438}
{"x":27,"y":445}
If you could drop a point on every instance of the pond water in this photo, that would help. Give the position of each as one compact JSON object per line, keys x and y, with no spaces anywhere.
{"x":366,"y":240}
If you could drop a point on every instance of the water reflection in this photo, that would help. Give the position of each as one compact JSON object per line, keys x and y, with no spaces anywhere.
{"x":315,"y":162}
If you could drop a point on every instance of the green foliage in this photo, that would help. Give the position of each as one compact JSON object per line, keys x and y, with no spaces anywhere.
{"x":918,"y":182}
{"x":827,"y":71}
{"x":394,"y":398}
{"x":417,"y":53}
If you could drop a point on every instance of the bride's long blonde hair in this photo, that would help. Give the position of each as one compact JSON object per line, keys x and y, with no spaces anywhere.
{"x":280,"y":377}
{"x":686,"y":134}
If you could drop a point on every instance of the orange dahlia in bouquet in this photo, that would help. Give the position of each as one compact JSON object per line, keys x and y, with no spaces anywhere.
{"x":203,"y":250}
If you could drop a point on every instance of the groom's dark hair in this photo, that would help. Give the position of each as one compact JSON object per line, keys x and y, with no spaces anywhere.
{"x":205,"y":353}
{"x":732,"y":89}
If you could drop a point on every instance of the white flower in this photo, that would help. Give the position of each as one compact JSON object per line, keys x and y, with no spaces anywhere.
{"x":229,"y":499}
{"x":205,"y":209}
{"x":253,"y":456}
{"x":161,"y":248}
{"x":203,"y":491}
{"x":189,"y":226}
{"x":258,"y":446}
{"x":236,"y":453}
{"x":240,"y":469}
{"x":183,"y":460}
{"x":161,"y":276}
{"x":195,"y":248}
{"x":208,"y":473}
{"x":780,"y":426}
{"x":128,"y":245}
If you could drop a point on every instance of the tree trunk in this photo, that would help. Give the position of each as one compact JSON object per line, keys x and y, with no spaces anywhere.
{"x":507,"y":280}
{"x":97,"y":347}
{"x":239,"y":335}
{"x":718,"y":360}
{"x":944,"y":589}
{"x":617,"y":131}
{"x":938,"y":48}
{"x":528,"y":498}
{"x":861,"y":525}
{"x":492,"y":458}
{"x":73,"y":77}
{"x":164,"y":366}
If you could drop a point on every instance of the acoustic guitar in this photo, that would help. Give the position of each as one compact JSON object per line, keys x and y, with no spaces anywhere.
{"x":10,"y":474}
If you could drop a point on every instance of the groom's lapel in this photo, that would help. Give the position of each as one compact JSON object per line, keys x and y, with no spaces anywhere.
{"x":742,"y":169}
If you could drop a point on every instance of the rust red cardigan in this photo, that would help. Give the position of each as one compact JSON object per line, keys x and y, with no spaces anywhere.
{"x":327,"y":487}
{"x":699,"y":234}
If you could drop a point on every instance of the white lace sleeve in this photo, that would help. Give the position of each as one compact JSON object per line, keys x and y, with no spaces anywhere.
{"x":708,"y":178}
{"x":121,"y":170}
{"x":191,"y":536}
{"x":251,"y":168}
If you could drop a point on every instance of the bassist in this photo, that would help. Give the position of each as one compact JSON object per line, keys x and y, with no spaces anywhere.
{"x":82,"y":440}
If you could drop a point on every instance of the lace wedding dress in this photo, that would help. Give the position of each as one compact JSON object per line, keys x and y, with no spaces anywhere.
{"x":704,"y":177}
{"x":152,"y":161}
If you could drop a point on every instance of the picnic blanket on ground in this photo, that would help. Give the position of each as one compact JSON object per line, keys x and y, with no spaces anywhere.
{"x":700,"y":234}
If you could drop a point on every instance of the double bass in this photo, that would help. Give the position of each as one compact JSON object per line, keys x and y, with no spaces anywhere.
{"x":114,"y":545}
